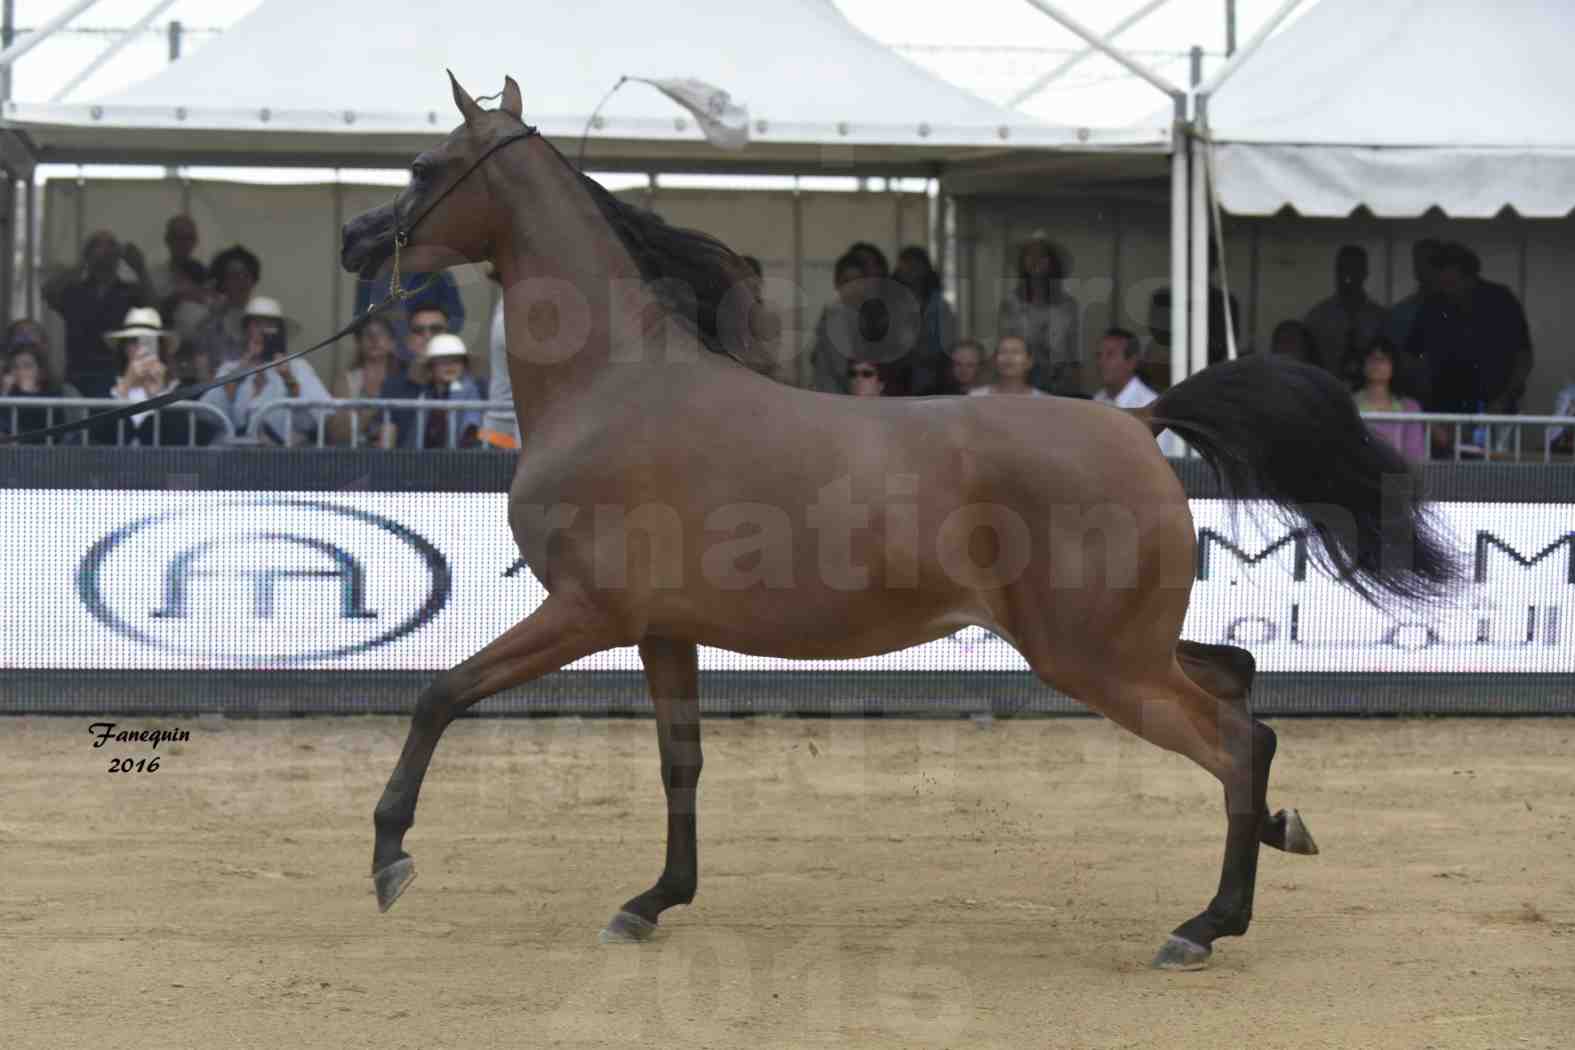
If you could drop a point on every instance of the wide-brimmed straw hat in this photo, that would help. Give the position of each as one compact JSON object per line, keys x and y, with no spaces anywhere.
{"x":265,"y":306}
{"x":441,"y":346}
{"x":142,"y":320}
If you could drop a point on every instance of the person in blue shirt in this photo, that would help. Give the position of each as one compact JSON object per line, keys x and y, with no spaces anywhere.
{"x":442,"y":294}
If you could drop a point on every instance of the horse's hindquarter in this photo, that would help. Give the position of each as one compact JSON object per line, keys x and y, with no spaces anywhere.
{"x":769,"y":520}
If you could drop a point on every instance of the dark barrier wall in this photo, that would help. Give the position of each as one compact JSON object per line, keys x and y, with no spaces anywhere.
{"x":263,"y":581}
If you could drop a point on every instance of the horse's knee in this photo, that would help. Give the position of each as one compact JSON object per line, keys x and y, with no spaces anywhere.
{"x":435,"y":705}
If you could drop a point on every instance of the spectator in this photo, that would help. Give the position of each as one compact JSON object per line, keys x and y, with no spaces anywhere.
{"x":866,"y":379}
{"x":26,"y":374}
{"x":375,"y":371}
{"x":963,"y":367}
{"x":927,"y":361}
{"x":1562,"y":439}
{"x":442,"y":374}
{"x":180,"y":237}
{"x":92,"y":298}
{"x":187,"y":305}
{"x":143,"y":346}
{"x":1379,"y":393}
{"x":1159,"y":314}
{"x":267,"y":332}
{"x":836,"y":332}
{"x":1295,"y":340}
{"x":1120,"y":385}
{"x":1347,"y":322}
{"x":221,"y":339}
{"x":1012,"y":365}
{"x":423,"y":321}
{"x":1048,"y":320}
{"x":437,"y":291}
{"x":1118,"y":359}
{"x":871,"y":258}
{"x":1474,"y":341}
{"x":500,"y":427}
{"x":1402,"y":315}
{"x":879,"y":333}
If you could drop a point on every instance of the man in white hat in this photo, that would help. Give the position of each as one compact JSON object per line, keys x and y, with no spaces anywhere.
{"x":442,"y":373}
{"x":267,"y":339}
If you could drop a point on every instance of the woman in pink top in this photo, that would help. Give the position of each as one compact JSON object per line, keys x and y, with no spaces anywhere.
{"x":1378,"y":395}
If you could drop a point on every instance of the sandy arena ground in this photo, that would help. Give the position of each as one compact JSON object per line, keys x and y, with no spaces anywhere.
{"x":863,"y":883}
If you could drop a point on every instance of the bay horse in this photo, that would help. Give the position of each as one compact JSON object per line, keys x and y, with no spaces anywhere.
{"x":670,"y":495}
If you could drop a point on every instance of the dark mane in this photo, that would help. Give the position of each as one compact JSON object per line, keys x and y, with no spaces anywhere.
{"x":703,"y":282}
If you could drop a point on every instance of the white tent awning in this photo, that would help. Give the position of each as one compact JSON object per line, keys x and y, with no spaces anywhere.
{"x":1401,"y":106}
{"x":366,"y":78}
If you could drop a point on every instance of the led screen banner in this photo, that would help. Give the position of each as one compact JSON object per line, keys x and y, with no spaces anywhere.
{"x":201,"y":580}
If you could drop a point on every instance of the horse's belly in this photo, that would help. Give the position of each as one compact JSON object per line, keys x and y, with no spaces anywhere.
{"x":789,"y":627}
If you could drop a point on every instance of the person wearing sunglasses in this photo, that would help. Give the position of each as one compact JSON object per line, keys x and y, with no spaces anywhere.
{"x":865,"y":379}
{"x":425,"y":320}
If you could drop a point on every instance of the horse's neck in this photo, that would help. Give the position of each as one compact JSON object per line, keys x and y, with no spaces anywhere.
{"x":562,"y":253}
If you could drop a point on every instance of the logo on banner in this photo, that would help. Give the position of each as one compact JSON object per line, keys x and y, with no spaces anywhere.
{"x":264,"y":581}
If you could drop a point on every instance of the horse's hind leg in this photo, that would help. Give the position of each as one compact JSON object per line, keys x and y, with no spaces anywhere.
{"x":560,"y":631}
{"x":1226,"y":672}
{"x":1168,"y":709}
{"x":672,"y":669}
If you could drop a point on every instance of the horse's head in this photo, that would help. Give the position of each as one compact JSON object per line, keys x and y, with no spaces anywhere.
{"x":445,"y":215}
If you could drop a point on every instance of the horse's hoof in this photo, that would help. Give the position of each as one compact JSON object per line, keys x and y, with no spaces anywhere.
{"x":392,"y":880}
{"x":1297,"y":838}
{"x":627,"y":928}
{"x":1182,"y":954}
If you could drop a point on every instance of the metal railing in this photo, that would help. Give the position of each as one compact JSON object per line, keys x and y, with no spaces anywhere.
{"x":1484,"y":436}
{"x":416,"y":411}
{"x":66,"y":409}
{"x":1472,"y":437}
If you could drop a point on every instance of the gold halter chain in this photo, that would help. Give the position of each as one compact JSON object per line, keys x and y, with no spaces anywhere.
{"x":396,"y":291}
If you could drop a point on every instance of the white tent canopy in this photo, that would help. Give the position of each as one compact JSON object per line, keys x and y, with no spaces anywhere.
{"x":362,"y":82}
{"x":1401,"y":106}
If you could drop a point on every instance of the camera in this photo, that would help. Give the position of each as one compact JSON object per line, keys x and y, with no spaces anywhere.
{"x":274,"y":346}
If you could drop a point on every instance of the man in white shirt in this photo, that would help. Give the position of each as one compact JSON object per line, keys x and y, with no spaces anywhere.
{"x":1121,"y":387}
{"x":499,"y":428}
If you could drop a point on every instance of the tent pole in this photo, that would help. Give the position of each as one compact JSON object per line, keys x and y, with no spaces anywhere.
{"x":1179,"y":363}
{"x":115,"y":48}
{"x":7,"y":36}
{"x":9,"y":56}
{"x":31,"y":263}
{"x":8,"y":263}
{"x":1198,"y":299}
{"x":1066,"y":66}
{"x":1223,"y":73}
{"x":1094,"y":40}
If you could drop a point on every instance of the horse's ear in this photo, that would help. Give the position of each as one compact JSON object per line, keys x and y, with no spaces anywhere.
{"x":462,"y":99}
{"x":511,"y":98}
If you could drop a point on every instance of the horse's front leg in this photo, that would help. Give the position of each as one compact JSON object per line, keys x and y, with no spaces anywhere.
{"x":672,"y":670}
{"x":560,"y":631}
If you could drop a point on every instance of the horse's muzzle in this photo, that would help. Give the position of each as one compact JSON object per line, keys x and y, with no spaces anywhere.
{"x":367,"y":241}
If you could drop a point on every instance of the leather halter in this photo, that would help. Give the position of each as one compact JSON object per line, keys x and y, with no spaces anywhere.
{"x":402,"y":232}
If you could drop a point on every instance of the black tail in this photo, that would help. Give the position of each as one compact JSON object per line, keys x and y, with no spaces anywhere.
{"x":1288,"y":432}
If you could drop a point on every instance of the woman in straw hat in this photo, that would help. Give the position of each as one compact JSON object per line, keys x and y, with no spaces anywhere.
{"x":142,"y":347}
{"x":442,"y":373}
{"x":268,"y":331}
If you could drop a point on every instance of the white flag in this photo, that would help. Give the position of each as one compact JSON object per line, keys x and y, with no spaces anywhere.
{"x":725,"y":125}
